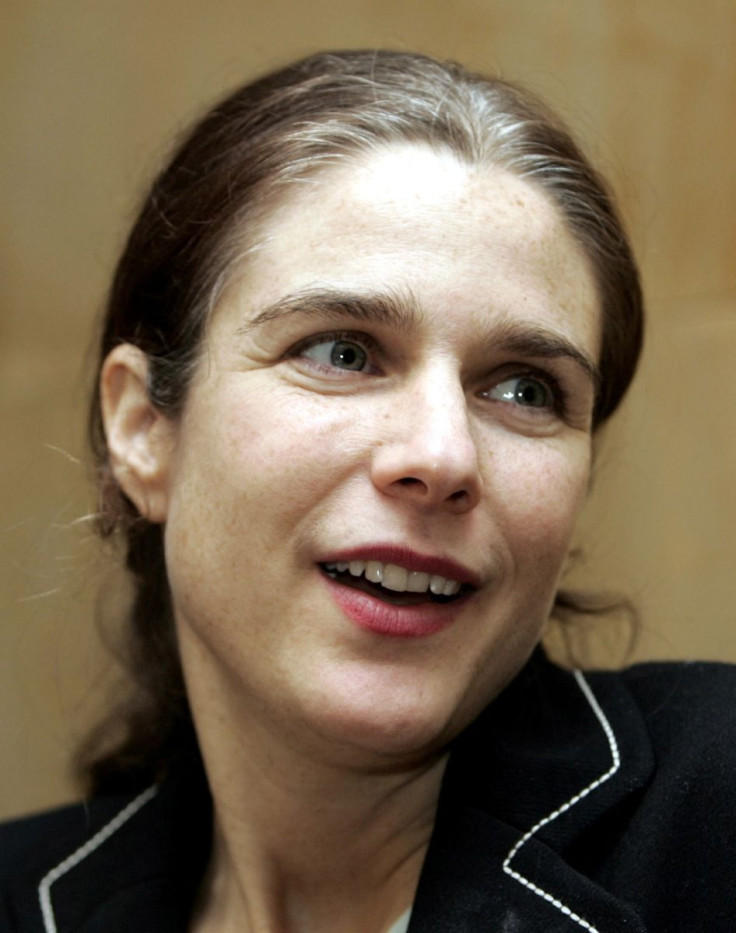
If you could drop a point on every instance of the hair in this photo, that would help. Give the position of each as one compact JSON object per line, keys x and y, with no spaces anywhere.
{"x":193,"y":228}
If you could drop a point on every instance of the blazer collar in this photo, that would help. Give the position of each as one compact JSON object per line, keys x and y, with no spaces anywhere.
{"x":531,"y":799}
{"x":531,"y":795}
{"x":130,"y":862}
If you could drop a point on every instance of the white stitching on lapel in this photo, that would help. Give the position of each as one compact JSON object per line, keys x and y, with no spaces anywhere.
{"x":615,"y":765}
{"x":44,"y":888}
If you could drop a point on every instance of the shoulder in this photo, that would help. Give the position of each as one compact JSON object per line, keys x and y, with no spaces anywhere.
{"x":689,"y":710}
{"x":666,"y":833}
{"x":34,"y":849}
{"x":686,"y":706}
{"x":612,"y":791}
{"x":120,"y":861}
{"x":681,"y":834}
{"x":676,"y":685}
{"x":23,"y":839}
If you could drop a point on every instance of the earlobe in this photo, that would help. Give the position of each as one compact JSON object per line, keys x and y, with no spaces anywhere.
{"x":139,"y":437}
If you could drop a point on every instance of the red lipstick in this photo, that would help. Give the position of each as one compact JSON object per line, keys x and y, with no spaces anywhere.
{"x":384,"y":617}
{"x":372,"y":613}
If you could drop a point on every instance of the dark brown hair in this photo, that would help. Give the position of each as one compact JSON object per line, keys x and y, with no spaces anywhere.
{"x":194,"y":226}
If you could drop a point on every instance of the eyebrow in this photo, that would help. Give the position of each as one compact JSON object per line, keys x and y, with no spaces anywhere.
{"x":527,"y":339}
{"x":396,"y":309}
{"x":401,"y":311}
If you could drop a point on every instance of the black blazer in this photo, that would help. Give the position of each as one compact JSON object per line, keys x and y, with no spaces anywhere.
{"x":600,"y":802}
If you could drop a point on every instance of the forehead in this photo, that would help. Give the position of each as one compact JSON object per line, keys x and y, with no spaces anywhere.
{"x":411,"y":218}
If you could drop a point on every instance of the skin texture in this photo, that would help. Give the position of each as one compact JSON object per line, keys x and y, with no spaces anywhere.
{"x":429,"y":271}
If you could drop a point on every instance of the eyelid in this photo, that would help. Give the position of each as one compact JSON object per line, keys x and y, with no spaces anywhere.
{"x":340,"y":334}
{"x":365,"y":340}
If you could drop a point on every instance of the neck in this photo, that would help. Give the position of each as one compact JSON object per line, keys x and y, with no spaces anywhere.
{"x":302,"y":845}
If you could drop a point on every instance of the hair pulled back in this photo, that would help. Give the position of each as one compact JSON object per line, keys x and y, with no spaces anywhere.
{"x":194,"y":227}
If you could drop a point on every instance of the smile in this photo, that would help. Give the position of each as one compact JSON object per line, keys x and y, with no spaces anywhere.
{"x":390,"y":580}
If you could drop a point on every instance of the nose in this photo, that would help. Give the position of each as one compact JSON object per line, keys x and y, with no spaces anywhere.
{"x":427,"y":455}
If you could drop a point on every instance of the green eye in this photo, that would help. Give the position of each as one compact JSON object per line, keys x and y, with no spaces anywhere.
{"x":338,"y":353}
{"x":348,"y":355}
{"x":525,"y":391}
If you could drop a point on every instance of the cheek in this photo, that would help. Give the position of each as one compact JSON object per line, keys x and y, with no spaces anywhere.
{"x":254,"y":463}
{"x":285,"y":458}
{"x":543,"y":492}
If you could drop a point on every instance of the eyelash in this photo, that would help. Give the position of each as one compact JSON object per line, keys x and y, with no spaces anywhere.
{"x":559,"y":402}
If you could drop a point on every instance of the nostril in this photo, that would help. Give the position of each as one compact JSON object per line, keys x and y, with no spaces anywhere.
{"x":426,"y":481}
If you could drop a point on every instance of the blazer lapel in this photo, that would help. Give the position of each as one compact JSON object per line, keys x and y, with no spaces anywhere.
{"x":533,"y":796}
{"x":465,"y":889}
{"x":130,"y":863}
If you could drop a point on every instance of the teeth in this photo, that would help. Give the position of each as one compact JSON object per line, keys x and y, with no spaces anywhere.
{"x":398,"y":579}
{"x":437,"y":584}
{"x":374,"y":571}
{"x":394,"y":578}
{"x":418,"y":582}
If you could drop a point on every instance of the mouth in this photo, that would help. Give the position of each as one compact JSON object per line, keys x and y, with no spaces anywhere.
{"x":396,"y":585}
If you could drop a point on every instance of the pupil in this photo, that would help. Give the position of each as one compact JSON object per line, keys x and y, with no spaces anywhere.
{"x":531,"y":393}
{"x":347,"y":355}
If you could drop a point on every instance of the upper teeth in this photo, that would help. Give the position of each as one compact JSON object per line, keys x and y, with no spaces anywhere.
{"x":396,"y":578}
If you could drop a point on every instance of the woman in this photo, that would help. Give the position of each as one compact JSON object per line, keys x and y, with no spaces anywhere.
{"x":356,"y":350}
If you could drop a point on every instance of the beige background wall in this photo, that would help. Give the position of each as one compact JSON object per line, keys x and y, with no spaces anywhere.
{"x":92,"y":91}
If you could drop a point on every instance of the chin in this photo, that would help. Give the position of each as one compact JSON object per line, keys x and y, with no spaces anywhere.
{"x":394,"y":726}
{"x":384,"y":746}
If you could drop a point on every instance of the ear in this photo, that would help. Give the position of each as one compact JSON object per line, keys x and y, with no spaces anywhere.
{"x":140,"y":438}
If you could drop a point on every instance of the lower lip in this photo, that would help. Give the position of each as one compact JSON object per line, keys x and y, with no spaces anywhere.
{"x":382,"y":618}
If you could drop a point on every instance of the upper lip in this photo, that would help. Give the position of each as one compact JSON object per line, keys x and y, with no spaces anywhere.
{"x":408,"y":558}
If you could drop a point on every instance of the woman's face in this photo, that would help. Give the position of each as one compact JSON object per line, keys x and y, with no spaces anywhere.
{"x":399,"y":384}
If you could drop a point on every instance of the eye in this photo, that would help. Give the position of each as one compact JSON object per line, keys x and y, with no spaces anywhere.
{"x":525,"y":391}
{"x":337,"y":351}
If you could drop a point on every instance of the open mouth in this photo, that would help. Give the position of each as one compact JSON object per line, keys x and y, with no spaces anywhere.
{"x":394,"y":584}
